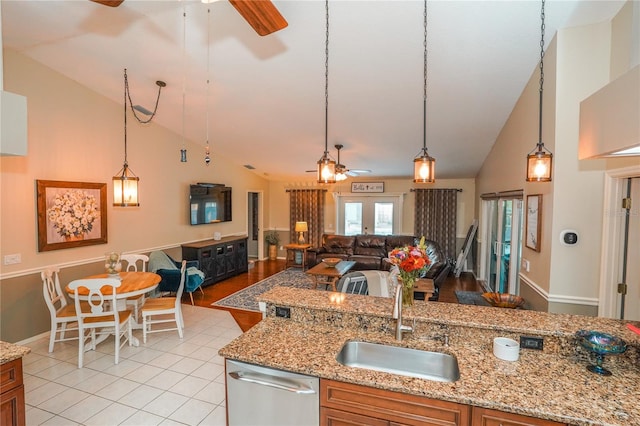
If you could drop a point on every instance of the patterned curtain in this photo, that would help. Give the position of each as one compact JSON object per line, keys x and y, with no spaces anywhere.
{"x":307,"y":205}
{"x":436,"y":211}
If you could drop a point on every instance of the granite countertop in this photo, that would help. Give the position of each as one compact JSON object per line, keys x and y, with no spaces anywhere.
{"x":551,"y":384}
{"x":10,"y":352}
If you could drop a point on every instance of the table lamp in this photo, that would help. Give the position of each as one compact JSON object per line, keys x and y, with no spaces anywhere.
{"x":301,"y":228}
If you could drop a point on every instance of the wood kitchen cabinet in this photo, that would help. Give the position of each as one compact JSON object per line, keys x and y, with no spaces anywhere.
{"x":12,"y":410}
{"x":487,"y":417}
{"x":218,"y":259}
{"x":349,"y":404}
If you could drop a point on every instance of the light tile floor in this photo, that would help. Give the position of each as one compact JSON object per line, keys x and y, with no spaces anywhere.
{"x":168,"y":381}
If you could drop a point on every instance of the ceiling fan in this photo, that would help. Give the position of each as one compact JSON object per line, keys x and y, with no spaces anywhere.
{"x":262,"y":15}
{"x":341,"y":170}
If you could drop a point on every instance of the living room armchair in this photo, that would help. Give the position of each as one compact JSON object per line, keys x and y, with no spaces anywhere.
{"x":169,"y":271}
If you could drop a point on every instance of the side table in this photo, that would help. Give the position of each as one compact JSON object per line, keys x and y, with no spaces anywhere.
{"x":291,"y":255}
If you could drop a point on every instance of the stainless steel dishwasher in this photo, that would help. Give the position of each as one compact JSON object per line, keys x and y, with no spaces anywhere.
{"x":260,"y":396}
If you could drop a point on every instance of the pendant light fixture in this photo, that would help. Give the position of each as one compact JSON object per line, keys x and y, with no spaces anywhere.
{"x":326,"y":166}
{"x":125,"y":182}
{"x":424,"y":165}
{"x":540,"y":160}
{"x":183,"y":151}
{"x":207,"y":156}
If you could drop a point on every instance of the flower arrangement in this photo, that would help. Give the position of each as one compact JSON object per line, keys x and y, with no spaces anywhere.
{"x":272,"y":237}
{"x":412,"y":262}
{"x":73,"y":213}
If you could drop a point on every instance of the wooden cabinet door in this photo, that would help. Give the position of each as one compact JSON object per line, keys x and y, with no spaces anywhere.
{"x":487,"y":417}
{"x":331,"y":417}
{"x":12,"y":409}
{"x":395,"y":407}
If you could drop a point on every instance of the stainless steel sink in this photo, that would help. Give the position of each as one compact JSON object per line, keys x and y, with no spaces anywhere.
{"x":403,"y":361}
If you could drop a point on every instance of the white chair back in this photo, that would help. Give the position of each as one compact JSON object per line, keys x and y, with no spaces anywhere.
{"x":99,"y":312}
{"x":100,"y":305}
{"x":132,"y":262}
{"x":62,"y":314}
{"x":51,"y":289}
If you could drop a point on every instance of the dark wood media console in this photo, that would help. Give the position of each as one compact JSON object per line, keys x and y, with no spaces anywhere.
{"x":219,"y":259}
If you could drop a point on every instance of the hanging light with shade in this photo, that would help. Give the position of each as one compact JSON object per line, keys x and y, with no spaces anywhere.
{"x":326,"y":165}
{"x":424,"y":165}
{"x":183,"y":151}
{"x":207,"y":152}
{"x":540,"y":159}
{"x":125,"y":182}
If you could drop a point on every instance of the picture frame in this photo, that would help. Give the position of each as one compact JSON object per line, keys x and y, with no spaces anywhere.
{"x":534,"y":222}
{"x":71,"y":214}
{"x":367,"y":186}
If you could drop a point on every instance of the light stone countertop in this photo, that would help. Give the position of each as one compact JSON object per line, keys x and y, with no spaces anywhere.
{"x":552,"y":384}
{"x":10,"y":352}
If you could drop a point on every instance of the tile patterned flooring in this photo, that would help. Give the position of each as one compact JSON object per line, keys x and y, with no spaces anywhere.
{"x":168,"y":381}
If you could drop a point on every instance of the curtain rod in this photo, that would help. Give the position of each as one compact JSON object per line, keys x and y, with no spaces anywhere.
{"x":306,"y":189}
{"x":435,"y":189}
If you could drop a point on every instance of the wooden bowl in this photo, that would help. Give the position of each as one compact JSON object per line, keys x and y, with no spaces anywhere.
{"x":331,"y":262}
{"x":504,"y":300}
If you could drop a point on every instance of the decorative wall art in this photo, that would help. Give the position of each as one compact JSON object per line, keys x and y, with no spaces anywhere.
{"x":71,"y":214}
{"x":367,"y":187}
{"x":534,"y":221}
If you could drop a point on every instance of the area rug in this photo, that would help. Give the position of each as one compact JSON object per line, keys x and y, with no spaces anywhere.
{"x":471,"y":298}
{"x":245,"y":299}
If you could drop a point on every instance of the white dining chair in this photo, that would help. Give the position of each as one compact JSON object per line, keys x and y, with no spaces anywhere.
{"x":157,"y":310}
{"x":62,"y":313}
{"x":100,"y":315}
{"x":132,"y":262}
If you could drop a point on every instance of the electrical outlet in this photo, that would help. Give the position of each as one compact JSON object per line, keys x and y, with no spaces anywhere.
{"x":12,"y":259}
{"x":283,"y":312}
{"x":527,"y":342}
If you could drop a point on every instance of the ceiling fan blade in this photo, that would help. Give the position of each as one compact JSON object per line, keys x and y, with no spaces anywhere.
{"x":111,"y":3}
{"x":356,"y":172}
{"x":262,"y":15}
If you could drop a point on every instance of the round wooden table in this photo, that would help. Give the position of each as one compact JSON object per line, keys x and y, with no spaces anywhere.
{"x":132,"y":284}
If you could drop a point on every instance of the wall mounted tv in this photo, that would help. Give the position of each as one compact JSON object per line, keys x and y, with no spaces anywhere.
{"x":209,"y":203}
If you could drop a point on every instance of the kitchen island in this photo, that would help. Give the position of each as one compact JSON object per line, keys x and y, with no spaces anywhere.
{"x":552,"y":383}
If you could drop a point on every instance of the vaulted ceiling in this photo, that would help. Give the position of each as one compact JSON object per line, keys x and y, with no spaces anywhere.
{"x":267,"y":94}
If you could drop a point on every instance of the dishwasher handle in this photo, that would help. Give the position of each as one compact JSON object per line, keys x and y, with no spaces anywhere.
{"x":272,"y":381}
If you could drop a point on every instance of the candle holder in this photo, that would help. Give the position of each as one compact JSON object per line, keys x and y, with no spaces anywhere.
{"x":600,"y":344}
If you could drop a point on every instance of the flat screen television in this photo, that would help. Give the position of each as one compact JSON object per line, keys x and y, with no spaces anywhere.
{"x":209,"y":203}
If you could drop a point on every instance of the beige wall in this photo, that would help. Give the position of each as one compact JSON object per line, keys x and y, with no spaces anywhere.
{"x":578,"y":62}
{"x":77,"y":135}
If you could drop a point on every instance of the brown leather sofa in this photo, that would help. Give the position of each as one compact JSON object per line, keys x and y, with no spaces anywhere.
{"x":369,"y":251}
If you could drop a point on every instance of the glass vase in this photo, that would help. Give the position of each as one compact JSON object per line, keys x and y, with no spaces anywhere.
{"x":407,"y":290}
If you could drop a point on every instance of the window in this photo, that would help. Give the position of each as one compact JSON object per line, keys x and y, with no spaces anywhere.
{"x":379,"y":214}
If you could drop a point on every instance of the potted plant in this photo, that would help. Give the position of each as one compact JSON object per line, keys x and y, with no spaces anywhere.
{"x":273,"y":239}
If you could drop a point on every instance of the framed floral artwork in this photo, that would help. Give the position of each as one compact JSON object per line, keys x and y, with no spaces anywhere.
{"x":71,"y":214}
{"x":534,"y":216}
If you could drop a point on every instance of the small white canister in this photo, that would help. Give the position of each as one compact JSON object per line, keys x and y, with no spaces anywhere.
{"x":506,"y":349}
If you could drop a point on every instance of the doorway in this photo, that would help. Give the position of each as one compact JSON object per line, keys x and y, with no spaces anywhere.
{"x":369,"y":214}
{"x":621,"y":246}
{"x":254,"y":225}
{"x":501,"y":254}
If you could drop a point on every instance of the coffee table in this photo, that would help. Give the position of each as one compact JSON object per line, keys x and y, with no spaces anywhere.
{"x":327,"y":275}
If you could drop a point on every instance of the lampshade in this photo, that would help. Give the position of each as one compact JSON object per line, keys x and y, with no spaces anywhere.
{"x":539,"y":165}
{"x":125,"y":188}
{"x":326,"y":169}
{"x":424,"y":168}
{"x":301,"y":228}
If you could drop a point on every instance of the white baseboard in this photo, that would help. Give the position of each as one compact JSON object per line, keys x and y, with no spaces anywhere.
{"x":558,"y":298}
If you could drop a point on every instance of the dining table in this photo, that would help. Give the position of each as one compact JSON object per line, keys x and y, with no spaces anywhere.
{"x":132,"y":284}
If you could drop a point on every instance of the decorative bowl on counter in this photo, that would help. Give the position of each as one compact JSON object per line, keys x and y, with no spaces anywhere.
{"x":504,"y":300}
{"x":601,"y":344}
{"x":331,"y":262}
